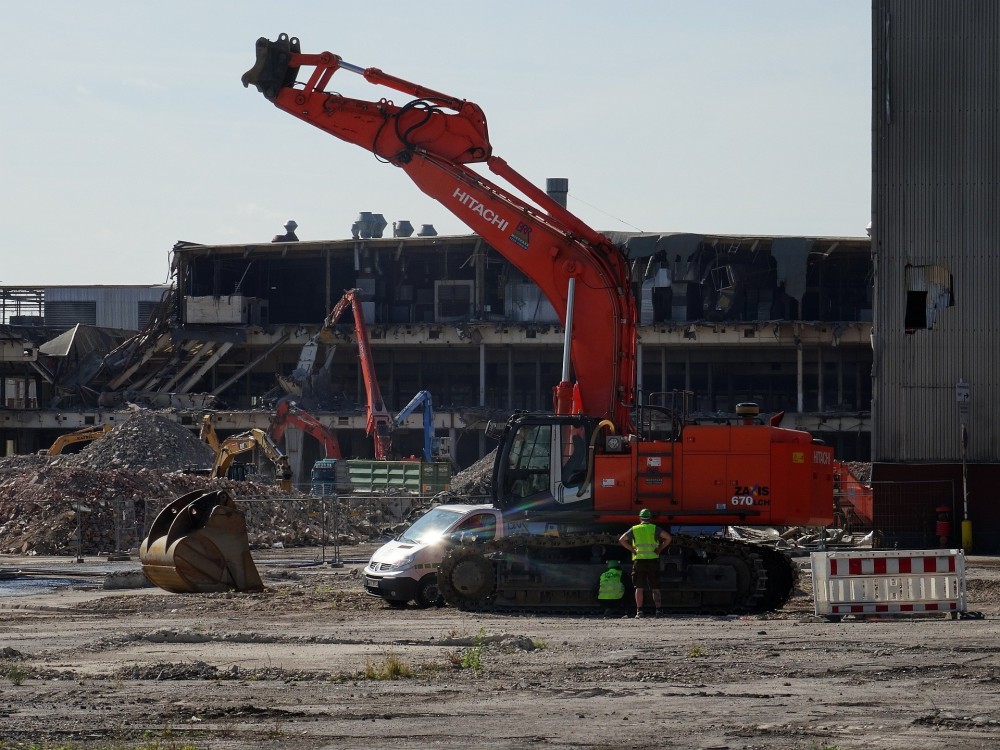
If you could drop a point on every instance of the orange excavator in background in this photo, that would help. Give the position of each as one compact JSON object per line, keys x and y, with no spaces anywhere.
{"x":650,"y":455}
{"x":378,"y":422}
{"x":290,"y":414}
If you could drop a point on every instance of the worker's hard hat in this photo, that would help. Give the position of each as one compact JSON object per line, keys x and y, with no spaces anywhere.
{"x":614,"y":564}
{"x":645,"y":513}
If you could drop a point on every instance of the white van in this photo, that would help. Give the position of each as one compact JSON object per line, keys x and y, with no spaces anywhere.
{"x":406,"y":568}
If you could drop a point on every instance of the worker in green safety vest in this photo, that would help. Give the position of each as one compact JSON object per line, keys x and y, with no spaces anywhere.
{"x":645,"y":541}
{"x":611,"y":590}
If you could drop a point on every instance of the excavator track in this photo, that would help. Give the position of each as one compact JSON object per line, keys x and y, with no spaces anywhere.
{"x":559,"y":574}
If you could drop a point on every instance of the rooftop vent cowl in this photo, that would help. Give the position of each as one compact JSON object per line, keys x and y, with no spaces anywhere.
{"x":368,"y":225}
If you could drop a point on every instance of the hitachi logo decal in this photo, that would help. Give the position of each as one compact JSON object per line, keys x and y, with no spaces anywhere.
{"x":488,"y":214}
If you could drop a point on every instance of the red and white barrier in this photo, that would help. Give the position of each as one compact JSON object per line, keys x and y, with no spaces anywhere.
{"x":890,"y":582}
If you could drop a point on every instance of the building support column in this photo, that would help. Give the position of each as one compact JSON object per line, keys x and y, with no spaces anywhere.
{"x":840,"y":376}
{"x":663,"y":369}
{"x":482,"y":374}
{"x":638,"y":373}
{"x":819,"y":379}
{"x":538,"y":383}
{"x":799,"y":396}
{"x":510,"y":378}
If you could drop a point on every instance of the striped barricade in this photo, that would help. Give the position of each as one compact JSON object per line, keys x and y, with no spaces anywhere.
{"x":889,"y":583}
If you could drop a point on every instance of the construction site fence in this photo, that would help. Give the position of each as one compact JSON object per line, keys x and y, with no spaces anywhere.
{"x":903,"y":515}
{"x":118,"y":525}
{"x":898,"y":515}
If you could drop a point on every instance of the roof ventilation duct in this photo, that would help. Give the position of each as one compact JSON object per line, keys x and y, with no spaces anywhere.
{"x":427,"y":230}
{"x":368,"y":225}
{"x":402,"y":229}
{"x":557,"y":188}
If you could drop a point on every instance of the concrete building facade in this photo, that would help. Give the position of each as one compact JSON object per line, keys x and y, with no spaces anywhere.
{"x":784,"y":322}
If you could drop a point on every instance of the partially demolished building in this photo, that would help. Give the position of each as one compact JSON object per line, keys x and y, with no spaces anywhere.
{"x":781,"y":321}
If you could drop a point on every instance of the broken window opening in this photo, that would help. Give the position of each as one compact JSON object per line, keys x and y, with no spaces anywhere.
{"x":929,"y":289}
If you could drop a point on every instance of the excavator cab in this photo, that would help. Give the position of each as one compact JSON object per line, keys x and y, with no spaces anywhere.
{"x":199,"y":544}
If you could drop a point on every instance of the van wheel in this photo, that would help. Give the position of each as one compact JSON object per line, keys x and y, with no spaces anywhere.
{"x":428,"y":594}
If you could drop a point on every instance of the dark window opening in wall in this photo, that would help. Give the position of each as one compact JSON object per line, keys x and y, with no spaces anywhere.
{"x":453,"y":300}
{"x":916,"y":311}
{"x":928,"y":291}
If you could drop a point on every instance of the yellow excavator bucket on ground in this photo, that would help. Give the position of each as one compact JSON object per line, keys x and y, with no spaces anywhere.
{"x":199,"y":544}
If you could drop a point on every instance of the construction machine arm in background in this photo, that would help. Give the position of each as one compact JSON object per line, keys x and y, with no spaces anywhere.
{"x":290,"y":414}
{"x":85,"y":435}
{"x":246,"y":441}
{"x":207,"y":434}
{"x":433,"y":138}
{"x":422,"y":399}
{"x":378,"y":423}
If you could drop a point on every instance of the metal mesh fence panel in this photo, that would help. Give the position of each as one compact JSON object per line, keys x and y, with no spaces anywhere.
{"x":906,"y":514}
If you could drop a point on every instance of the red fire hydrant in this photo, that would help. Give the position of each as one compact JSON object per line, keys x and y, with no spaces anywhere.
{"x":942,"y":529}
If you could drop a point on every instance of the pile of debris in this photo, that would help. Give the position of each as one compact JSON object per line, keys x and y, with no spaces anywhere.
{"x":104,"y":498}
{"x":146,"y":440}
{"x":475,"y":482}
{"x":802,"y":538}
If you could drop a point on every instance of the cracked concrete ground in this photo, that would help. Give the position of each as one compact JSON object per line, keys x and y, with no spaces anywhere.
{"x":313,"y":662}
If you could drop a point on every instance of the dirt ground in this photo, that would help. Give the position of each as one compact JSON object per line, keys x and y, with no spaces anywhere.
{"x":313,"y":662}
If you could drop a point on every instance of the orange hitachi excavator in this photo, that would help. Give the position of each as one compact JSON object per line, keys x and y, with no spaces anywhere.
{"x":638,"y":455}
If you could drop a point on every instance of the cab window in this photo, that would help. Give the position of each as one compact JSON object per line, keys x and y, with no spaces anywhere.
{"x":480,"y":527}
{"x":529,"y":462}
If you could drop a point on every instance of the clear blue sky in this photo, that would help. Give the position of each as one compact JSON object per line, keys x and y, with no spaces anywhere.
{"x":125,"y":126}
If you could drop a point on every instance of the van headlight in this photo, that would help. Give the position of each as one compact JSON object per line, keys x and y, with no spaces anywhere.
{"x":403,"y":562}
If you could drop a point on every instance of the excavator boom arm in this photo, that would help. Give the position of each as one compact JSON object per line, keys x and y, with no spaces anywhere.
{"x":425,"y":400}
{"x":433,"y":138}
{"x":379,"y":421}
{"x":289,"y":413}
{"x":247,"y":441}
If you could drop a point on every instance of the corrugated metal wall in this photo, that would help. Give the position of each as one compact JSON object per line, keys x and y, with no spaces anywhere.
{"x":116,"y":306}
{"x":936,"y":202}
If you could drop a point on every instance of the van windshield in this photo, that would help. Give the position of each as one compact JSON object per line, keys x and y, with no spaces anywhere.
{"x":429,"y":527}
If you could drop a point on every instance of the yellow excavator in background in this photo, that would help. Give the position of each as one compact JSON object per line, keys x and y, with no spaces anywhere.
{"x":199,"y":543}
{"x":247,"y":441}
{"x":85,"y":435}
{"x":207,"y":433}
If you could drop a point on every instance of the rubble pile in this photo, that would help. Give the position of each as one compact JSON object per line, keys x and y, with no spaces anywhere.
{"x":861,"y":470}
{"x":476,"y":480}
{"x":146,"y":440}
{"x":39,"y":507}
{"x":103,"y":498}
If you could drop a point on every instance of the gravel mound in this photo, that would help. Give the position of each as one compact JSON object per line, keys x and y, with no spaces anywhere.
{"x":147,"y":440}
{"x":477,"y":479}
